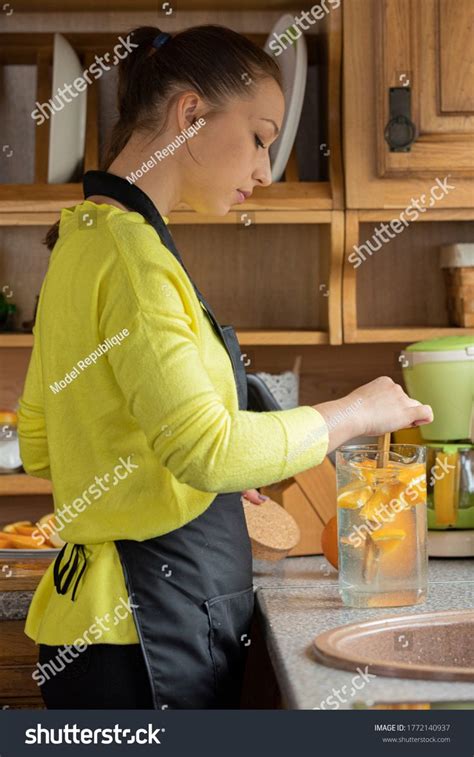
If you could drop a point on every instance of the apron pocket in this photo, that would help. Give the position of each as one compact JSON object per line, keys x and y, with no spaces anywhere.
{"x":230,"y":617}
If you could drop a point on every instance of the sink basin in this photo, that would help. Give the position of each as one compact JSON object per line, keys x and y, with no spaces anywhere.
{"x":432,"y":645}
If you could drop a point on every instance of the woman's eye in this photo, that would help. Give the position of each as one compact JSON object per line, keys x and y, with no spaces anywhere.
{"x":259,"y":141}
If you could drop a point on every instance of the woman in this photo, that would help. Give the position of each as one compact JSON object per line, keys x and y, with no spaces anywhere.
{"x":150,"y":601}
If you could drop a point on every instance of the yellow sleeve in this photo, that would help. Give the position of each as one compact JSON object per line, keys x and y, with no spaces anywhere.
{"x":31,"y":421}
{"x":168,"y":390}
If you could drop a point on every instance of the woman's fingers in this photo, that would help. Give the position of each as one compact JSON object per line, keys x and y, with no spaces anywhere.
{"x":423,"y":414}
{"x":253,"y":496}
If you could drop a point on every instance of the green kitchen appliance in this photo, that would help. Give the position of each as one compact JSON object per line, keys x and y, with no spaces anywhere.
{"x":440,"y":372}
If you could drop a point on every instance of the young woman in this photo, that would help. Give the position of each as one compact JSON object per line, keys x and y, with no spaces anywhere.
{"x":149,"y":603}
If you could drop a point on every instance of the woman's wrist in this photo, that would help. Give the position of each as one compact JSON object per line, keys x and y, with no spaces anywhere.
{"x":342,"y":419}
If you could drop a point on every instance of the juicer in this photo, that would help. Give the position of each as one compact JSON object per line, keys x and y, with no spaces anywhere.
{"x":440,"y":372}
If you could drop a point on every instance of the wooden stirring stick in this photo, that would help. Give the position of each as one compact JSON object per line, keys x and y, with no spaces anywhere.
{"x":371,"y":550}
{"x":383,"y":450}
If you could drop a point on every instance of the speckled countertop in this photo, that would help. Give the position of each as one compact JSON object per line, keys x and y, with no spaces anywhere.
{"x":298,"y":599}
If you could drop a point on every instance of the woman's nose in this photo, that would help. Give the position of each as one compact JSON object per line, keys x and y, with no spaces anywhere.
{"x":263,"y":172}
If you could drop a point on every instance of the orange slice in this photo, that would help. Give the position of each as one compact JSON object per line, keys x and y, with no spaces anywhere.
{"x":351,"y":497}
{"x":11,"y":528}
{"x":365,"y":469}
{"x":407,"y":473}
{"x":415,"y":491}
{"x":53,"y":539}
{"x":388,"y":539}
{"x":374,"y":507}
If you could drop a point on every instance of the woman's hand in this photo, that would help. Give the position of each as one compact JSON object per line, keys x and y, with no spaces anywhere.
{"x":254,"y":496}
{"x":376,"y":408}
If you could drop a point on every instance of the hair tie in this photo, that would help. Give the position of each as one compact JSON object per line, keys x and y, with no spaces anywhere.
{"x":160,"y":39}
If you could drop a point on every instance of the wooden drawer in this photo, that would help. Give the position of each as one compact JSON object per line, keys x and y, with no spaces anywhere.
{"x":18,"y":657}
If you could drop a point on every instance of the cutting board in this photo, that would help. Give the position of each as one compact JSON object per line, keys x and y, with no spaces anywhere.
{"x":310,"y":497}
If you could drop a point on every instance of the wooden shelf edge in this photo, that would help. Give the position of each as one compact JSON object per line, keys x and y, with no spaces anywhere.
{"x":431,"y":214}
{"x":242,"y":217}
{"x":142,"y":6}
{"x":277,"y":338}
{"x":189,"y":218}
{"x":16,"y":484}
{"x":408,"y":334}
{"x":245,"y":336}
{"x":16,"y":340}
{"x":282,"y":197}
{"x":294,"y":338}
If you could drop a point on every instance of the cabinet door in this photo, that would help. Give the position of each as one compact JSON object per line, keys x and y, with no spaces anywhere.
{"x":427,"y":47}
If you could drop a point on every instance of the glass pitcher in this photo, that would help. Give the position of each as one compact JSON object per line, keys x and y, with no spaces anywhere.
{"x":382,"y":525}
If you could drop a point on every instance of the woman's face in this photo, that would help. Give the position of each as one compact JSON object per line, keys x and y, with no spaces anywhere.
{"x":228,"y":152}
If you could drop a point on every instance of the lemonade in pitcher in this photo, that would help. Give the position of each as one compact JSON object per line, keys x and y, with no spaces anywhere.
{"x":382,"y":526}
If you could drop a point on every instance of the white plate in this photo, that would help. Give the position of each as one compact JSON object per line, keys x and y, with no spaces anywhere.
{"x":293,"y":63}
{"x":67,"y":126}
{"x":27,"y":553}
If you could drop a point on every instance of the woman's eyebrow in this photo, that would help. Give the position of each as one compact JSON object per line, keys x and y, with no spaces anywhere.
{"x":270,"y":120}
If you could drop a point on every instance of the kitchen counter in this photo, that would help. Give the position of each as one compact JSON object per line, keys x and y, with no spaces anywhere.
{"x":298,"y":598}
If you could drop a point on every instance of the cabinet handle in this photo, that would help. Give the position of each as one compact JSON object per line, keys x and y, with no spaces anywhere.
{"x":400,"y":131}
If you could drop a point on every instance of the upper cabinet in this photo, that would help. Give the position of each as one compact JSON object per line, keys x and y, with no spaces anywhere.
{"x":409,"y":101}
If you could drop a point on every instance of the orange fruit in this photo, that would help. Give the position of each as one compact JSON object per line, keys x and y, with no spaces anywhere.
{"x":8,"y":417}
{"x":329,"y":542}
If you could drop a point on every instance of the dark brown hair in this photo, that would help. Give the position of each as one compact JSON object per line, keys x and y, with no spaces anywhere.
{"x":216,"y":62}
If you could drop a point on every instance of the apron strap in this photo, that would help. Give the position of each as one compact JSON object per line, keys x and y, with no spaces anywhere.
{"x":134,"y":198}
{"x":58,"y":573}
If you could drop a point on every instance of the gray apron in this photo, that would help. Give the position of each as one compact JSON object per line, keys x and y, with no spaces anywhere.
{"x":192,"y":587}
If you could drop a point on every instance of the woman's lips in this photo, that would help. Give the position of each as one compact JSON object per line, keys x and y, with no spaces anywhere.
{"x":243,"y":194}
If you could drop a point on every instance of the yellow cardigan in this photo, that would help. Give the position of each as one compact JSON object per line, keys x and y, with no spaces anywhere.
{"x":127,"y":374}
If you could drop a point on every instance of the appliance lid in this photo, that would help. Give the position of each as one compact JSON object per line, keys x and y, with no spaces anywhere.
{"x":441,"y":349}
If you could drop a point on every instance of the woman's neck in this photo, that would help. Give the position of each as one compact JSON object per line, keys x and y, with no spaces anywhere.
{"x":160,"y":182}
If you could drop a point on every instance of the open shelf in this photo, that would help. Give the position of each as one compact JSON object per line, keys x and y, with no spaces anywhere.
{"x":21,"y":484}
{"x":398,"y":293}
{"x":286,"y":291}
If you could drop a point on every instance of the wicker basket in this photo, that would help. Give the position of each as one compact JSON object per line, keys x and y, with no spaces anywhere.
{"x":457,"y":262}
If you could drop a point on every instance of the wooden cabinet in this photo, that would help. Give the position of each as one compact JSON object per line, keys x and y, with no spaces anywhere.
{"x":425,"y":47}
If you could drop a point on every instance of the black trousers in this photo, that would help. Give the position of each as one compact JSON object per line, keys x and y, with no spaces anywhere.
{"x":103,"y":676}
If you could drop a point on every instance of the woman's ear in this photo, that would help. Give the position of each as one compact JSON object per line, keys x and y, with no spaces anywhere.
{"x":189,"y":106}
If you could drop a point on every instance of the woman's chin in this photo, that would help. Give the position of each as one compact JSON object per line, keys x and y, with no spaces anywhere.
{"x":217,"y":208}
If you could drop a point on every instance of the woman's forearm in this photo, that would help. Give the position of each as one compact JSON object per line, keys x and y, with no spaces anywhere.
{"x":341,"y":419}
